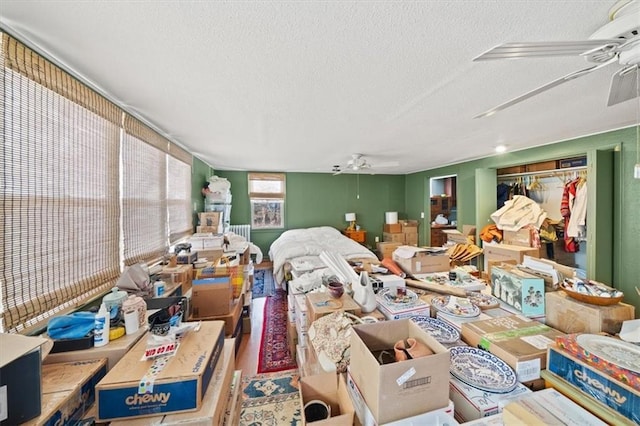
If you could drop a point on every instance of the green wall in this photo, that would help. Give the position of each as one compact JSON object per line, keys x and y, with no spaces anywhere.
{"x":315,"y":199}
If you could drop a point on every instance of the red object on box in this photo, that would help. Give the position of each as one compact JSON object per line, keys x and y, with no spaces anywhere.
{"x":569,"y":344}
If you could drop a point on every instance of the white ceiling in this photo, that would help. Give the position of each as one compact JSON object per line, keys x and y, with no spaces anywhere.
{"x":301,"y":85}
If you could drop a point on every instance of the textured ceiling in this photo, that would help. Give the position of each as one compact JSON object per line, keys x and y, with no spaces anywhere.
{"x":301,"y":85}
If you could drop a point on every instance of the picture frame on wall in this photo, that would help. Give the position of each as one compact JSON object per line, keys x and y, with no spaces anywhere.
{"x":267,"y":214}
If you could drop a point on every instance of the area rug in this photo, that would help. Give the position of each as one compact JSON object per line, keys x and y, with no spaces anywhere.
{"x":271,"y":400}
{"x":274,"y":351}
{"x":263,"y":284}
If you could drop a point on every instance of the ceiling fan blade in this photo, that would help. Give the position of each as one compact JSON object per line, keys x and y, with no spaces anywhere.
{"x":624,"y":85}
{"x":543,"y":49}
{"x":545,"y":87}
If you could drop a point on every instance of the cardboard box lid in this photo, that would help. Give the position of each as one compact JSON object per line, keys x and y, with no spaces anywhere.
{"x":130,"y":368}
{"x":15,"y":345}
{"x":67,"y":376}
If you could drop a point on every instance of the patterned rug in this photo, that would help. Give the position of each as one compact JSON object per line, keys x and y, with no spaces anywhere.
{"x":263,"y":284}
{"x":271,"y":400}
{"x":274,"y":351}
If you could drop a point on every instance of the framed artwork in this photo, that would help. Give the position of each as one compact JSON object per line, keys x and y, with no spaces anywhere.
{"x":267,"y":214}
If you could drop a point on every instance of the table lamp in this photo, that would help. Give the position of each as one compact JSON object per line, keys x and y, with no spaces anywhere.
{"x":351,"y":218}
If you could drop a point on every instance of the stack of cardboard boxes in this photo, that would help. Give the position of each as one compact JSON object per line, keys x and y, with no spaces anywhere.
{"x":405,"y":232}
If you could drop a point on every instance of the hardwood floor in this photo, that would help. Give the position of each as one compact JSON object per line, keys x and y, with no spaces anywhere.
{"x":247,"y":359}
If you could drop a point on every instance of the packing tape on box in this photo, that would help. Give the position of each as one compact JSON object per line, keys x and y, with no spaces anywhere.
{"x":146,"y":383}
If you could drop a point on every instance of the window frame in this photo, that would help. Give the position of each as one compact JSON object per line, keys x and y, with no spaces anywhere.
{"x":270,"y":204}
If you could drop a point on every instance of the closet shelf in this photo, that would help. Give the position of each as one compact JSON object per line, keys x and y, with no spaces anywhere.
{"x":543,"y":173}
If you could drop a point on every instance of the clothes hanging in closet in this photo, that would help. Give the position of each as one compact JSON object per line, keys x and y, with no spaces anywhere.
{"x":573,"y":209}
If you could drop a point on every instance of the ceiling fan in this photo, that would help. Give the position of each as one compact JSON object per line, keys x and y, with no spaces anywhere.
{"x":357,"y":163}
{"x":616,"y":42}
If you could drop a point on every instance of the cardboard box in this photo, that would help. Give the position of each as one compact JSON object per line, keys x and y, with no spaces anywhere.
{"x":179,"y":275}
{"x":211,"y":297}
{"x":523,"y":291}
{"x":230,"y":320}
{"x":595,"y":383}
{"x":207,"y":229}
{"x":546,"y":407}
{"x":331,"y":389}
{"x":68,"y":390}
{"x":572,"y":316}
{"x":415,"y":386}
{"x":210,"y":219}
{"x":364,"y":417}
{"x":392,"y":312}
{"x":213,"y":406}
{"x":418,"y":260}
{"x":393,"y":228}
{"x":386,"y":248}
{"x":113,"y":352}
{"x":411,"y":239}
{"x":521,"y":238}
{"x":212,"y":255}
{"x":520,"y":342}
{"x":20,"y":378}
{"x":471,"y":403}
{"x":409,"y":226}
{"x":502,"y":252}
{"x":178,"y":386}
{"x":319,"y":305}
{"x":393,"y":237}
{"x":234,"y":403}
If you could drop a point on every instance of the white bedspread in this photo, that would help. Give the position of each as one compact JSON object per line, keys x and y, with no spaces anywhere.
{"x":311,"y":242}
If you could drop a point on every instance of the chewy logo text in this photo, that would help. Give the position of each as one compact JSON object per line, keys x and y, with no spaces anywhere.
{"x":147,"y":398}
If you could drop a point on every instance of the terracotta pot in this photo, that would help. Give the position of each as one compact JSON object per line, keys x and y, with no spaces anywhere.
{"x":410,"y":349}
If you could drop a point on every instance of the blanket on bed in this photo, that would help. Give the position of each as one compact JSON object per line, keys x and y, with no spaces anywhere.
{"x":311,"y":242}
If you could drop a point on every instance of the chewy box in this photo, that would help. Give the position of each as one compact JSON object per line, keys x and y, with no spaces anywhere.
{"x":594,"y":383}
{"x":523,"y":291}
{"x":400,"y":389}
{"x":179,"y":386}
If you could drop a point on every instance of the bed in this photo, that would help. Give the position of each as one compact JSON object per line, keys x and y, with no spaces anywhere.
{"x":305,"y":245}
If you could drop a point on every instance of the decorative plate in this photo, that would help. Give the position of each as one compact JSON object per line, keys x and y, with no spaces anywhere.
{"x":394,"y":299}
{"x":482,"y":370}
{"x":457,"y":306}
{"x":483,"y":301}
{"x":440,"y":330}
{"x":625,"y":355}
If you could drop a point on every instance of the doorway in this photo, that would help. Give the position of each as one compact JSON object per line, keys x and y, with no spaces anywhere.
{"x":443,"y":208}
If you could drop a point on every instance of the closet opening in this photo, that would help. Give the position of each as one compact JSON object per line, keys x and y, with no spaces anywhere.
{"x":559,"y":187}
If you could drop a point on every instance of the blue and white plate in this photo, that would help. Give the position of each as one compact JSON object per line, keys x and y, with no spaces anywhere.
{"x":482,"y":370}
{"x":440,"y":330}
{"x":457,"y":306}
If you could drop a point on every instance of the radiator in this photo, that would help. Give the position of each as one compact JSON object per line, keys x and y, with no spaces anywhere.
{"x":242,"y":230}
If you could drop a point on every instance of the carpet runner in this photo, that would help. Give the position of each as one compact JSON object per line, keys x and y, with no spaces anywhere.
{"x":271,"y":399}
{"x":274,"y":351}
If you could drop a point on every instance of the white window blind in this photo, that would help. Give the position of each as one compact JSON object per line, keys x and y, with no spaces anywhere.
{"x":179,"y":198}
{"x":144,"y":193}
{"x":58,"y":189}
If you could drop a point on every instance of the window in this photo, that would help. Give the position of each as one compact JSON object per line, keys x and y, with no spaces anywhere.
{"x":58,"y":190}
{"x":267,"y":196}
{"x":85,"y":189}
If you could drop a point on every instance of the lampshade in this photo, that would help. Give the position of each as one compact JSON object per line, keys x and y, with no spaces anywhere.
{"x":350,"y":217}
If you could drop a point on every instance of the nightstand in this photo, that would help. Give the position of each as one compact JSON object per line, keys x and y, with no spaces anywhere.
{"x":357,"y":236}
